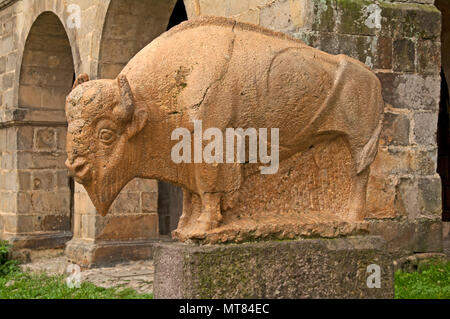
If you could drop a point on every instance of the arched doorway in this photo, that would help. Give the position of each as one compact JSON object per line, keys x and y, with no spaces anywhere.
{"x":46,"y":77}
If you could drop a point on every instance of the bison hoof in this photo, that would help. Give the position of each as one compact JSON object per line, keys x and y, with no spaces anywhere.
{"x":200,"y":229}
{"x":195,"y":232}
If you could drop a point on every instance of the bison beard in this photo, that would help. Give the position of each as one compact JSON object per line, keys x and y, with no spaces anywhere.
{"x":106,"y":185}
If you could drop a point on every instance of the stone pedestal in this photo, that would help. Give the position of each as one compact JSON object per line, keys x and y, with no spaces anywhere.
{"x":309,"y":268}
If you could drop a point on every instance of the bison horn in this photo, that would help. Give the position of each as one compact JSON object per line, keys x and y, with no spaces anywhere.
{"x":125,"y":109}
{"x":83,"y":77}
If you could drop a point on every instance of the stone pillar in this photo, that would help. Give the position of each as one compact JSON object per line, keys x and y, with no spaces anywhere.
{"x":35,"y":192}
{"x":128,"y":232}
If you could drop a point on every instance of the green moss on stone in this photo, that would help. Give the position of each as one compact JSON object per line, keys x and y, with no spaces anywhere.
{"x":353,"y":17}
{"x":324,"y":12}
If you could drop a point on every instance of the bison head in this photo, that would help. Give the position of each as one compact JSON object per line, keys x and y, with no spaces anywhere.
{"x":102,"y":150}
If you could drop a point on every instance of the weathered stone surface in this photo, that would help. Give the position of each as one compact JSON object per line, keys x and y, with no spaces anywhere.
{"x":408,"y":20}
{"x":408,"y":236}
{"x":425,"y":128}
{"x":36,"y":241}
{"x":404,"y":55}
{"x":411,"y":91}
{"x":313,"y":268}
{"x":429,"y":57}
{"x":395,"y":129}
{"x":384,"y":53}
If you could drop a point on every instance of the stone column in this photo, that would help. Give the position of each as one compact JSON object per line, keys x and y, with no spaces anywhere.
{"x":35,"y":191}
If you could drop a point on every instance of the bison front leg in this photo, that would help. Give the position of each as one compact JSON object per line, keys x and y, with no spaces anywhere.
{"x":201,"y":213}
{"x":357,"y":204}
{"x":187,"y":209}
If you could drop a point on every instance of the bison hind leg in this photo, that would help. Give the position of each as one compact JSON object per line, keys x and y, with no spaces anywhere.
{"x":211,"y":215}
{"x":187,"y":209}
{"x":357,"y":201}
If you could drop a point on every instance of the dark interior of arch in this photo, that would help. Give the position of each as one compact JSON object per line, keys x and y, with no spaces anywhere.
{"x":443,"y":136}
{"x":444,"y":148}
{"x":179,"y":14}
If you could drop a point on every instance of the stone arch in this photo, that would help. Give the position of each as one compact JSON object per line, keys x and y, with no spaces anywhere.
{"x":129,"y":26}
{"x":31,"y":15}
{"x":132,"y":225}
{"x":46,"y":76}
{"x":47,"y":68}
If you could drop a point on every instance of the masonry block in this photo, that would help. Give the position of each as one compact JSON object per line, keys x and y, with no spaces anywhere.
{"x":310,"y":268}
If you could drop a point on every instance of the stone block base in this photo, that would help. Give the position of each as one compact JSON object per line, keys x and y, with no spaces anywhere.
{"x":90,"y":254}
{"x":309,"y":268}
{"x":39,"y":241}
{"x":26,"y":247}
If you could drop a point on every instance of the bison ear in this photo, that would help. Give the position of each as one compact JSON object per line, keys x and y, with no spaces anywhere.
{"x":83,"y":77}
{"x":140,"y":119}
{"x":125,"y":109}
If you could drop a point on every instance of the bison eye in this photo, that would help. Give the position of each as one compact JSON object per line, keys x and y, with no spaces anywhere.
{"x":107,"y":136}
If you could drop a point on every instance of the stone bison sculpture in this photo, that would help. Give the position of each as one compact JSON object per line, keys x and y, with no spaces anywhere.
{"x":228,"y":75}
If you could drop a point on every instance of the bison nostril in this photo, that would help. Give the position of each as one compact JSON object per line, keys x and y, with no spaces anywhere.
{"x":77,"y":165}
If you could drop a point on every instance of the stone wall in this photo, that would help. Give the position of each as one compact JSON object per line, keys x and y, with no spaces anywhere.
{"x":400,"y":40}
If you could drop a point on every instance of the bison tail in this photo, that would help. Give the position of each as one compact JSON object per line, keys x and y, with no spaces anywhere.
{"x":369,"y":151}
